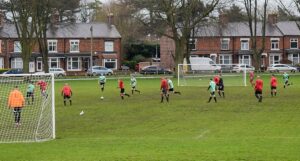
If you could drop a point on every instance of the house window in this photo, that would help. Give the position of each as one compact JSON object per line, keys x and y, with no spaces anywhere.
{"x":225,"y":59}
{"x":74,"y":45}
{"x":17,"y":47}
{"x":274,"y":59}
{"x":110,"y":63}
{"x":192,"y":44}
{"x":294,"y":43}
{"x":16,"y":63}
{"x":244,"y":44}
{"x":1,"y":63}
{"x":245,"y":59}
{"x":54,"y":62}
{"x":295,"y":58}
{"x":108,"y":46}
{"x":275,"y":44}
{"x":225,"y":44}
{"x":39,"y":64}
{"x":52,"y":46}
{"x":74,"y":64}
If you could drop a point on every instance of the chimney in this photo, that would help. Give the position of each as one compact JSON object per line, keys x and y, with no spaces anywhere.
{"x":110,"y":19}
{"x":223,"y":19}
{"x":272,"y":19}
{"x":55,"y":18}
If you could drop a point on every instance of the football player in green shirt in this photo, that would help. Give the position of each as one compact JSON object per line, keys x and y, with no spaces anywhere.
{"x":30,"y":92}
{"x":133,"y":84}
{"x":102,"y":81}
{"x":286,"y":79}
{"x":212,"y":89}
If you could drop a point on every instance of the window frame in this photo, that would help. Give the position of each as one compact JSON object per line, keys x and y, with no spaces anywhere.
{"x":15,"y":61}
{"x":70,"y":62}
{"x":52,"y":42}
{"x":56,"y":61}
{"x":222,"y":43}
{"x":222,"y":59}
{"x":243,"y":41}
{"x":109,"y":47}
{"x":293,"y":40}
{"x":110,"y":61}
{"x":73,"y":43}
{"x":275,"y":43}
{"x":17,"y":47}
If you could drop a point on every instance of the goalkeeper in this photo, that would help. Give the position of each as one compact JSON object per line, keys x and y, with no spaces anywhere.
{"x":67,"y":93}
{"x":16,"y":102}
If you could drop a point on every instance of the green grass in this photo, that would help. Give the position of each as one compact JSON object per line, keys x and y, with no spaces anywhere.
{"x":187,"y":128}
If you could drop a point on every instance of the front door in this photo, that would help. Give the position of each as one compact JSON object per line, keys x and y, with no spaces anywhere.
{"x":31,"y":67}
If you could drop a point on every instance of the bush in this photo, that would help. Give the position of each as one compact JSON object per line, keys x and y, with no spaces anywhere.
{"x":3,"y":70}
{"x":138,"y":58}
{"x":130,"y":64}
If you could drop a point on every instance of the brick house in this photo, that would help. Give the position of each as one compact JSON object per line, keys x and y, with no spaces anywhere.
{"x":229,"y":43}
{"x":69,"y":47}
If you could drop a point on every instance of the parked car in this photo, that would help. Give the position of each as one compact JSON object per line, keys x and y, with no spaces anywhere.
{"x":241,"y":67}
{"x":155,"y":70}
{"x":281,"y":68}
{"x":98,"y":70}
{"x":58,"y":72}
{"x":14,"y":71}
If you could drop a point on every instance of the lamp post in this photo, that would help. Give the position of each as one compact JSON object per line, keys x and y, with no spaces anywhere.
{"x":91,"y":57}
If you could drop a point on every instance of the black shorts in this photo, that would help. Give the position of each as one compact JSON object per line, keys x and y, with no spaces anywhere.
{"x":67,"y":97}
{"x":122,"y":90}
{"x":273,"y":87}
{"x":29,"y":94}
{"x":221,"y":88}
{"x":101,"y":83}
{"x":17,"y":109}
{"x":133,"y":87}
{"x":171,"y":89}
{"x":286,"y":82}
{"x":164,"y":91}
{"x":258,"y":92}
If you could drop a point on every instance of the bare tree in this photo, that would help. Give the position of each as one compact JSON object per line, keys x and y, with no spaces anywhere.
{"x":175,"y":19}
{"x":24,"y":21}
{"x":253,"y":19}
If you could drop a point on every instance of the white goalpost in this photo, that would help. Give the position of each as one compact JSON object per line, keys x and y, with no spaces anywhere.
{"x":200,"y":74}
{"x":34,"y":121}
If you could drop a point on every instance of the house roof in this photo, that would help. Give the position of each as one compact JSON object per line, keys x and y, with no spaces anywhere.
{"x":288,"y":28}
{"x":76,"y":30}
{"x":241,"y":29}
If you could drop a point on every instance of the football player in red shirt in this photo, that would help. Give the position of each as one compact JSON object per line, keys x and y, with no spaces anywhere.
{"x":67,"y":93}
{"x":122,"y":88}
{"x":251,"y":75}
{"x":273,"y":84}
{"x":258,"y":88}
{"x":164,"y":87}
{"x":43,"y":87}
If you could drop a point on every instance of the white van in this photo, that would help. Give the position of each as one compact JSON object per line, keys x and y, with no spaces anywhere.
{"x":203,"y":63}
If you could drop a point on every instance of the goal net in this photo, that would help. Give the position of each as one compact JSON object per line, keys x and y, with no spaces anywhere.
{"x":32,"y":120}
{"x":200,"y":74}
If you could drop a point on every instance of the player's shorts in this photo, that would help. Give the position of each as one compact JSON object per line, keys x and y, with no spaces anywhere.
{"x":101,"y":83}
{"x":17,"y":109}
{"x":67,"y":97}
{"x":286,"y":82}
{"x":258,"y":92}
{"x":171,"y":89}
{"x":212,"y":93}
{"x":273,"y":87}
{"x":29,"y":94}
{"x":122,"y":90}
{"x":133,"y":87}
{"x":164,"y":91}
{"x":221,"y":88}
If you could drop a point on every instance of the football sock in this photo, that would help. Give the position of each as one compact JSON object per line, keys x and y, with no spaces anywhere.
{"x":209,"y":99}
{"x":215,"y":99}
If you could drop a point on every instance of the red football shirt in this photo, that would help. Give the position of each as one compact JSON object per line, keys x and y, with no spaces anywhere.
{"x":121,"y":84}
{"x":273,"y":82}
{"x":164,"y":84}
{"x":42,"y":85}
{"x":67,"y":91}
{"x":259,"y":85}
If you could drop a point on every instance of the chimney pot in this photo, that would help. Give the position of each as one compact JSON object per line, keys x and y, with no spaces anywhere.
{"x":272,"y":19}
{"x":223,"y":19}
{"x":110,"y":19}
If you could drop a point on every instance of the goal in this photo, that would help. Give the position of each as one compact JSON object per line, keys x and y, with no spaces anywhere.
{"x":37,"y":116}
{"x":200,"y":74}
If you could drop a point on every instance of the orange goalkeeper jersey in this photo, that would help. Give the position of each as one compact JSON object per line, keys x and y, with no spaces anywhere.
{"x":15,"y":99}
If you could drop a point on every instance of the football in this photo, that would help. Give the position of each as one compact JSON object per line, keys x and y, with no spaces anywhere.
{"x":102,"y":97}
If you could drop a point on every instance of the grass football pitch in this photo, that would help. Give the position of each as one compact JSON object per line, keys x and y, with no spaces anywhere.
{"x":187,"y":128}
